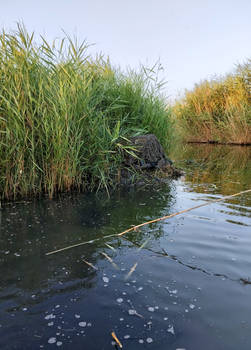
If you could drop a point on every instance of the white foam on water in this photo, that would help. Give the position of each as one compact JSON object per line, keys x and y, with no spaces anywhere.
{"x":106,"y":279}
{"x":171,"y":329}
{"x":151,"y":309}
{"x":52,"y":340}
{"x":49,"y":317}
{"x":131,"y":312}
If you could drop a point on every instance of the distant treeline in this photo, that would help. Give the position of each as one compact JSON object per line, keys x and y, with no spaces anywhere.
{"x":66,"y":118}
{"x":218,"y":110}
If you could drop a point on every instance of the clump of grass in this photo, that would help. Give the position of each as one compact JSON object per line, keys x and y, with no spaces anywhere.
{"x":218,"y":110}
{"x":65,"y":118}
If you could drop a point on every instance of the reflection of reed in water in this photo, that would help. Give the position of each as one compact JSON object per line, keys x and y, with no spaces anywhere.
{"x":215,"y":168}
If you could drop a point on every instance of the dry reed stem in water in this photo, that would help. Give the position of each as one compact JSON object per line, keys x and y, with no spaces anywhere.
{"x":110,"y":260}
{"x":90,"y":264}
{"x":116,"y":340}
{"x":131,"y":271}
{"x":150,"y":222}
{"x":109,"y":246}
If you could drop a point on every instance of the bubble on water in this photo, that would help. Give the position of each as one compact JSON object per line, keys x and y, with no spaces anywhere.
{"x":140,"y":288}
{"x":151,"y":309}
{"x":59,"y":343}
{"x":131,"y":312}
{"x":156,"y":307}
{"x":24,"y":309}
{"x":82,"y":324}
{"x":120,"y":300}
{"x":106,"y":279}
{"x":192,"y":306}
{"x":89,"y":324}
{"x":171,"y":330}
{"x":166,"y":308}
{"x":127,"y":336}
{"x":16,"y":254}
{"x":52,"y":340}
{"x":50,"y":324}
{"x":121,"y":319}
{"x":165,"y":318}
{"x":149,"y":340}
{"x":49,"y":317}
{"x":57,"y":306}
{"x":141,"y":341}
{"x":77,"y":316}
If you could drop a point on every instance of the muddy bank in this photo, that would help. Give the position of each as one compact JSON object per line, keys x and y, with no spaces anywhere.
{"x":212,"y":142}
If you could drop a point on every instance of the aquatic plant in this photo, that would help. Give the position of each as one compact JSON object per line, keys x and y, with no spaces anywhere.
{"x":218,"y":110}
{"x":65,"y":117}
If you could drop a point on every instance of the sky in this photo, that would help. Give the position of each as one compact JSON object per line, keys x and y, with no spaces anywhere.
{"x":191,"y":39}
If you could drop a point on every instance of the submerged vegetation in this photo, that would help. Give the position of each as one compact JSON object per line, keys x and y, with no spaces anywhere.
{"x":218,"y":110}
{"x":65,"y":117}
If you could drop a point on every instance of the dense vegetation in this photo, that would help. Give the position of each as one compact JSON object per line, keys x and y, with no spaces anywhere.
{"x":65,"y":118}
{"x":218,"y":110}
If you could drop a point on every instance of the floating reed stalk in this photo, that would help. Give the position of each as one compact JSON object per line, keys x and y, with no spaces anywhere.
{"x":133,"y":268}
{"x":151,"y":221}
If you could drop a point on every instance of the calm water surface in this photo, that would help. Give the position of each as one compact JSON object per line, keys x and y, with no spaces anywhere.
{"x":185,"y":291}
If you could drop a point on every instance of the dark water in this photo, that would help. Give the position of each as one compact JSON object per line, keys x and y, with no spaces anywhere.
{"x":186,"y":290}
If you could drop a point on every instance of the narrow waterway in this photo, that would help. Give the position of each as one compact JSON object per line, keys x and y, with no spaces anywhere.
{"x":177,"y":284}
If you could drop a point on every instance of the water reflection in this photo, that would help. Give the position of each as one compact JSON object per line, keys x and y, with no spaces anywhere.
{"x":187,"y":273}
{"x":215,"y":168}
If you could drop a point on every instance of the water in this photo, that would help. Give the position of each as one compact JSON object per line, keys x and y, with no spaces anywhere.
{"x":184,"y":290}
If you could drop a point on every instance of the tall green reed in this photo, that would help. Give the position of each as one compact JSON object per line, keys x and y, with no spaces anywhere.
{"x":218,"y":110}
{"x":65,"y":118}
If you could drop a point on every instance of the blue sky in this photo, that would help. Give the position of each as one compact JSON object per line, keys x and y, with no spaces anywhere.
{"x":193,"y":39}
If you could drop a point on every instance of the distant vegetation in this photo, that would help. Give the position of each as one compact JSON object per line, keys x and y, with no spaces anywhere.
{"x":218,"y":110}
{"x":65,"y":118}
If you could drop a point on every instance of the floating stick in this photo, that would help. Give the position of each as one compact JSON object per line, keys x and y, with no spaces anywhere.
{"x":134,"y":228}
{"x":131,"y":271}
{"x":181,"y":212}
{"x":90,"y":264}
{"x":109,"y":246}
{"x":116,"y":340}
{"x":110,"y":260}
{"x":79,"y":244}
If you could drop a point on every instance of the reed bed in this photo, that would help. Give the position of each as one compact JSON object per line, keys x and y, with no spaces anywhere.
{"x":218,"y":110}
{"x":66,"y":117}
